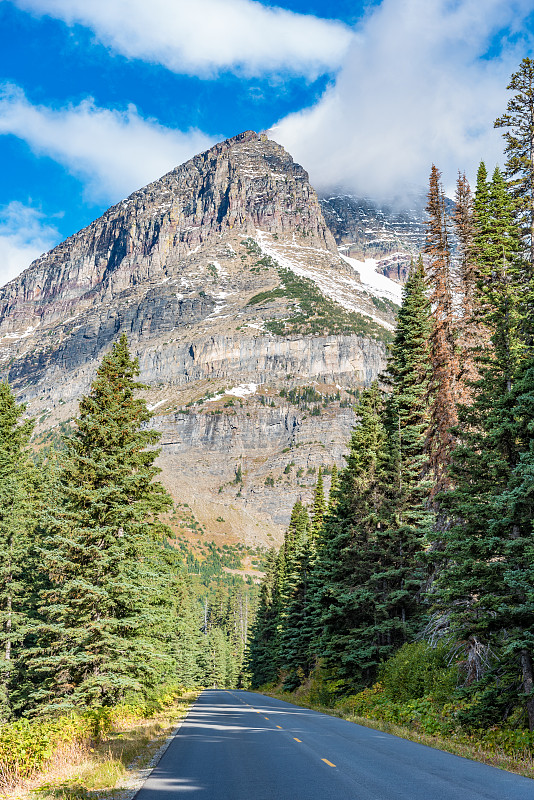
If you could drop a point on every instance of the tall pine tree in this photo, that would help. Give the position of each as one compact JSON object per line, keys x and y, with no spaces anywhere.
{"x":468,"y":332}
{"x":348,"y":554}
{"x":518,"y":122}
{"x":483,"y":582}
{"x":18,"y":506}
{"x":263,"y":651}
{"x":296,"y":611}
{"x":403,"y":534}
{"x":107,"y":601}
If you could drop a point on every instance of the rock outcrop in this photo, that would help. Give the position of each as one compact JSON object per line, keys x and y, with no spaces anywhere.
{"x":244,"y":183}
{"x":393,"y":234}
{"x":252,"y":333}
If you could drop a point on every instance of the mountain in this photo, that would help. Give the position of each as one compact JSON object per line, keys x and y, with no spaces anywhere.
{"x":390,"y":235}
{"x":253,"y":332}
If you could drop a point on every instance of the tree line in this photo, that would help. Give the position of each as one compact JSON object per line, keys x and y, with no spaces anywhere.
{"x":96,"y":607}
{"x":427,"y":536}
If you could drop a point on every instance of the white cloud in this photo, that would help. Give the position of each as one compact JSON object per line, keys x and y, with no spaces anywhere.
{"x":415,"y":88}
{"x":24,"y":236}
{"x":113,"y":152}
{"x":204,"y":37}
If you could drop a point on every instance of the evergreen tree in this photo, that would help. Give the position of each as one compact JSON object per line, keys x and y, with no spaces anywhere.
{"x":368,"y":573}
{"x":481,"y":222}
{"x":398,"y":577}
{"x":484,"y":577}
{"x":240,"y":608}
{"x":295,"y":615}
{"x":334,"y":486}
{"x":512,"y":523}
{"x":518,"y":123}
{"x":348,"y":553}
{"x":499,"y":293}
{"x":216,"y":659}
{"x":17,"y":526}
{"x":319,"y":507}
{"x":475,"y":318}
{"x":108,"y":595}
{"x":468,"y":332}
{"x":188,"y":638}
{"x":263,"y":660}
{"x":483,"y":574}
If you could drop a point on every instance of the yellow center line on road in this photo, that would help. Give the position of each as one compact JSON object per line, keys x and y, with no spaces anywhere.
{"x":266,"y":718}
{"x":279,"y":726}
{"x":297,"y":740}
{"x":326,"y":761}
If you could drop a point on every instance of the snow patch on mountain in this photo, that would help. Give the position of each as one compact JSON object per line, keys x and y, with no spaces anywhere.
{"x":243,"y":390}
{"x":337,"y":286}
{"x":378,"y":284}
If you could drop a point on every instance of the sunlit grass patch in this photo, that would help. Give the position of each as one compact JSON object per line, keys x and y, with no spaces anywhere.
{"x":314,"y":313}
{"x":96,"y":768}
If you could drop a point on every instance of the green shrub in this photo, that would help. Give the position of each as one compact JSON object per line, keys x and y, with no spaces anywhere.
{"x":418,"y":670}
{"x":100,"y":721}
{"x":486,"y":708}
{"x":324,"y":686}
{"x":26,"y":746}
{"x":424,"y":714}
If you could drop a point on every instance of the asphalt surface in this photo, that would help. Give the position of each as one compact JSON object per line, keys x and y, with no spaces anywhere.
{"x":236,"y":745}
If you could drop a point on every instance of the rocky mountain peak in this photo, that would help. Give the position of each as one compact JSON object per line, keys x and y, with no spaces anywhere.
{"x":253,"y":332}
{"x":392,"y":234}
{"x":243,"y":183}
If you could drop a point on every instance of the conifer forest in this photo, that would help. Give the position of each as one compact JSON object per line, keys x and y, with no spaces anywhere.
{"x":97,"y":606}
{"x":409,"y":593}
{"x":405,"y":592}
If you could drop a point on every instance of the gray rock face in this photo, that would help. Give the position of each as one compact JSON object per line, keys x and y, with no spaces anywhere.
{"x":364,"y":228}
{"x":352,"y":360}
{"x":265,"y":443}
{"x":187,"y":267}
{"x":244,"y":183}
{"x":157,"y":313}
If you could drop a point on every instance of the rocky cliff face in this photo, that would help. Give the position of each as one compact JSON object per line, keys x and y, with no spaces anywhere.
{"x":391,"y":234}
{"x":244,"y":183}
{"x":252,"y":332}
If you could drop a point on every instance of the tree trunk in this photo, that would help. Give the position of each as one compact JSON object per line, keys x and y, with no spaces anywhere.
{"x":8,"y":628}
{"x":4,"y":675}
{"x":528,"y":685}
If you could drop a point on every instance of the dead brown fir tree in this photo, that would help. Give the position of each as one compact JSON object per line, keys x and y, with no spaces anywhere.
{"x":470,"y":333}
{"x":443,"y":351}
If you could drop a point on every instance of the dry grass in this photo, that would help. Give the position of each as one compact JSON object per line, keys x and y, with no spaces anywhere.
{"x":98,"y":772}
{"x":522,"y":763}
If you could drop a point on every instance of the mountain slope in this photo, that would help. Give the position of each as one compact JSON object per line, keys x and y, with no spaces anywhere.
{"x":228,"y":282}
{"x":388,"y":236}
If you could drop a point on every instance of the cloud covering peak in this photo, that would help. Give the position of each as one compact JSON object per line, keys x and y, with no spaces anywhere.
{"x":416,"y":87}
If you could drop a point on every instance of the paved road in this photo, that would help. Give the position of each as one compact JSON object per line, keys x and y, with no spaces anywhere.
{"x":237,"y":745}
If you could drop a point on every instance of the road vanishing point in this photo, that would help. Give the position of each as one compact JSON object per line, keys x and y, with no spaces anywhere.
{"x":237,"y":745}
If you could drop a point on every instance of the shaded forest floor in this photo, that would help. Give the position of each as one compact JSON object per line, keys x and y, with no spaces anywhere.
{"x":521,"y":762}
{"x":110,"y":769}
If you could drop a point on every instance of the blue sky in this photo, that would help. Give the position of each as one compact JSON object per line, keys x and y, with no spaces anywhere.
{"x":98,"y":97}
